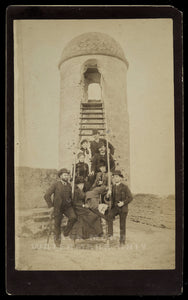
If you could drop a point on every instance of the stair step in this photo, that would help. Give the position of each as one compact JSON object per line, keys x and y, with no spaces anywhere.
{"x":91,"y":113}
{"x":85,"y":134}
{"x":91,"y":128}
{"x":94,"y":100}
{"x":92,"y":104}
{"x":88,"y":105}
{"x":92,"y":123}
{"x":91,"y":118}
{"x":87,"y":127}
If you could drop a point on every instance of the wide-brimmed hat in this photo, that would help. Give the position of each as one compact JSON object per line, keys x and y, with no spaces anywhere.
{"x":61,"y":171}
{"x":117,"y":172}
{"x":79,"y":179}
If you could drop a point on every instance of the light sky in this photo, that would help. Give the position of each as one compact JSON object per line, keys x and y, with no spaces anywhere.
{"x":148,"y":47}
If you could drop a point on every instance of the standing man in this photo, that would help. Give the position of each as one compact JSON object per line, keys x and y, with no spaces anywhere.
{"x":97,"y":140}
{"x":120,"y":197}
{"x":61,"y":204}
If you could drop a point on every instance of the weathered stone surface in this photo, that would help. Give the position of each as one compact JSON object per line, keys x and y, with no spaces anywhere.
{"x":153,"y":210}
{"x":31,"y":185}
{"x":114,"y":97}
{"x":92,"y":43}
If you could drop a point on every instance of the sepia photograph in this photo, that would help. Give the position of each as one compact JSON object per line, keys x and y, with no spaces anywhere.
{"x":94,"y":150}
{"x":94,"y":144}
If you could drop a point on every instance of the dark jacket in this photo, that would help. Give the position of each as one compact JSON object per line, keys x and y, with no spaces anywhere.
{"x":99,"y":159}
{"x":94,"y":146}
{"x":102,"y":177}
{"x":93,"y":197}
{"x":82,"y":169}
{"x":62,"y":195}
{"x":79,"y":197}
{"x":121,"y":192}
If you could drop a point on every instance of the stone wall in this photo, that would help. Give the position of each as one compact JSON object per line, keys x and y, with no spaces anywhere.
{"x":153,"y":210}
{"x":31,"y":185}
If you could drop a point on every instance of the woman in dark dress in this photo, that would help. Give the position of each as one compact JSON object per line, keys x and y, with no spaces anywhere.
{"x":82,"y":168}
{"x":88,"y":223}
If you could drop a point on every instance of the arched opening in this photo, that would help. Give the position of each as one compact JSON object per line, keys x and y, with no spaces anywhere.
{"x":94,"y":91}
{"x":91,"y":81}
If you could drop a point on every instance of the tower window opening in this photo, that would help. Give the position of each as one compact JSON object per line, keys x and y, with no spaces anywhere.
{"x":94,"y":91}
{"x":92,"y":82}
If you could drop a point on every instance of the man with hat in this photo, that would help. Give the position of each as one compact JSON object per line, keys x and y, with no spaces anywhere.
{"x":94,"y":145}
{"x":101,"y":159}
{"x":120,"y":197}
{"x":102,"y":176}
{"x":61,"y":204}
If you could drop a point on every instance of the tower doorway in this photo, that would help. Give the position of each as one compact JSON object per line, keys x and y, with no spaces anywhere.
{"x":91,"y":82}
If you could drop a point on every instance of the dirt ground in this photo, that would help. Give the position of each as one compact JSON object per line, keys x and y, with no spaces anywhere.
{"x":147,"y":247}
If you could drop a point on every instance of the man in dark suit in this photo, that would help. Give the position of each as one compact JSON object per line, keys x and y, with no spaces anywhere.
{"x":120,"y":197}
{"x":61,"y":204}
{"x":101,"y":159}
{"x":97,"y":140}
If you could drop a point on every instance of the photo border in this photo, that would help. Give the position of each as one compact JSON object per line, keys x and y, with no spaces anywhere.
{"x":124,"y":282}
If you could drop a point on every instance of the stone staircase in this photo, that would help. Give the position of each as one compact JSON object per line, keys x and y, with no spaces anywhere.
{"x":92,"y":116}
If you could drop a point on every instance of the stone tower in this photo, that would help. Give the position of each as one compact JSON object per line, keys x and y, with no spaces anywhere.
{"x":93,"y":58}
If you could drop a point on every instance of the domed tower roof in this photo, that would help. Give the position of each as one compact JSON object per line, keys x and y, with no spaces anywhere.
{"x":92,"y":43}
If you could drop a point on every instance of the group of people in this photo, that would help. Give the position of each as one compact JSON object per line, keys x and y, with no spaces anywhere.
{"x":93,"y":191}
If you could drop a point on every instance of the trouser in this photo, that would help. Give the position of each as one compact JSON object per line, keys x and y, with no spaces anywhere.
{"x":70,"y":214}
{"x":122,"y":221}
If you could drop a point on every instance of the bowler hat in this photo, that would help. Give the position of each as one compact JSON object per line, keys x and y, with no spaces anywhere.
{"x":117,"y":172}
{"x":79,"y":179}
{"x":61,"y":171}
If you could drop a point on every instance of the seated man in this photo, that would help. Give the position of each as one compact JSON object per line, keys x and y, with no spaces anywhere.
{"x":93,"y":197}
{"x":94,"y":145}
{"x":102,"y":176}
{"x":101,"y":158}
{"x":93,"y":200}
